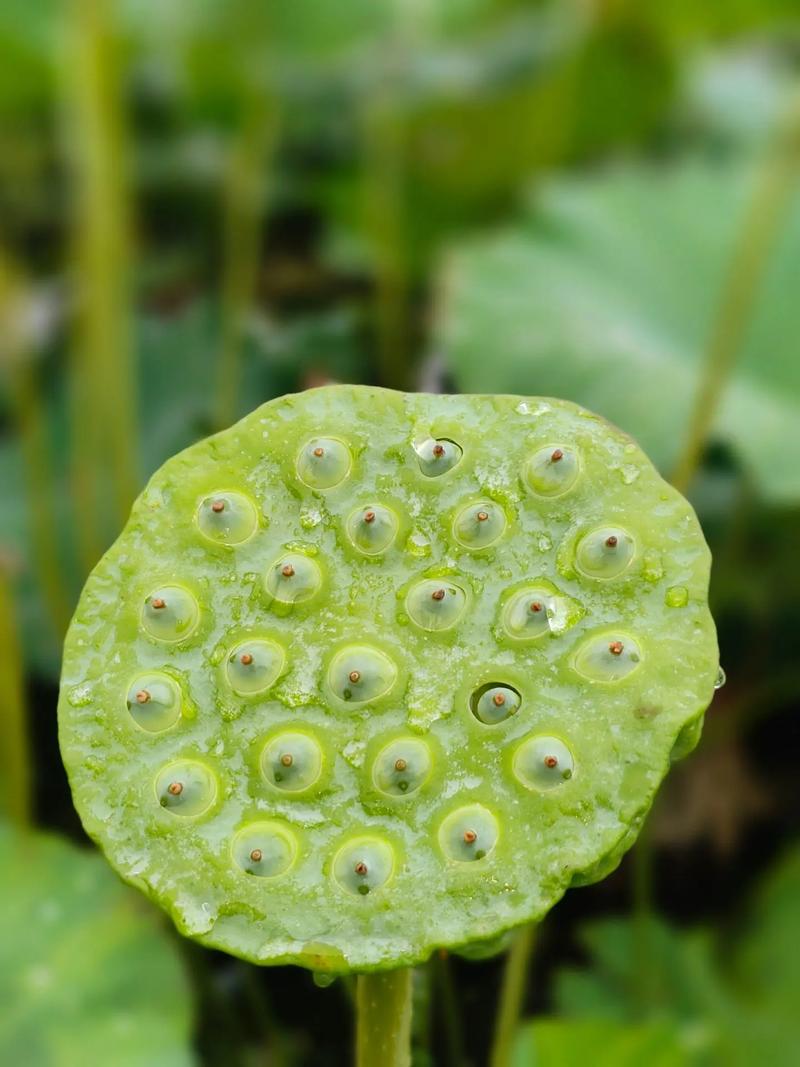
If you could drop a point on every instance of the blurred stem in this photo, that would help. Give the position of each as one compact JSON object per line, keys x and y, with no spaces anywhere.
{"x":104,"y":422}
{"x":30,"y":417}
{"x":243,"y":209}
{"x":15,"y":782}
{"x":642,"y":883}
{"x":512,"y":995}
{"x":762,"y":223}
{"x":450,"y":1013}
{"x":383,"y":1016}
{"x":421,"y":982}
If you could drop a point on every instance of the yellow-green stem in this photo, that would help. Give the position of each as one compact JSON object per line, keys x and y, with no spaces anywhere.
{"x":383,"y":1019}
{"x":512,"y":994}
{"x":15,"y":782}
{"x":773,"y":194}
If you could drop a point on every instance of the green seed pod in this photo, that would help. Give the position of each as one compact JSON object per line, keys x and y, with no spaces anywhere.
{"x":423,"y":671}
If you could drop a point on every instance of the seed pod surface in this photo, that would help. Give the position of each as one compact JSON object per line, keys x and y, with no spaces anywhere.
{"x":372,"y":673}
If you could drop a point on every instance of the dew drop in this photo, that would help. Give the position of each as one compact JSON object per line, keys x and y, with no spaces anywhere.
{"x":677,"y":596}
{"x":721,"y":679}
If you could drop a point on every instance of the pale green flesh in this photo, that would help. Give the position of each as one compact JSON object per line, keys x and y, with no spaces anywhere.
{"x":619,"y":733}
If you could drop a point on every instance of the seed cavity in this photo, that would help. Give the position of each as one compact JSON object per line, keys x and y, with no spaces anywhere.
{"x":265,"y":849}
{"x":359,"y":674}
{"x":292,"y":761}
{"x":542,"y":762}
{"x":254,"y":665}
{"x":607,"y":657}
{"x":363,"y":865}
{"x":605,"y":552}
{"x":227,"y":518}
{"x":154,"y":701}
{"x":323,"y":463}
{"x":468,"y":834}
{"x":494,"y":702}
{"x":293,"y":579}
{"x":186,"y":787}
{"x":372,"y":530}
{"x":551,"y":471}
{"x":435,"y":604}
{"x":402,"y":767}
{"x":479,"y":525}
{"x":437,"y":457}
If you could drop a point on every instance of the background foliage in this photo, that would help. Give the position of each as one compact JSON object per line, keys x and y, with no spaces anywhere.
{"x":206,"y":205}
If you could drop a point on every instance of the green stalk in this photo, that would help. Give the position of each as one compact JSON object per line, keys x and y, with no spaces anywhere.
{"x":512,"y":994}
{"x":15,"y":784}
{"x":762,"y":224}
{"x":243,"y":211}
{"x":383,"y":1019}
{"x":104,"y":420}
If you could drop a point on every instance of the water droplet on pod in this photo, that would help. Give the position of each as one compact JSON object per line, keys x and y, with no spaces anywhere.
{"x":154,"y":701}
{"x":677,"y":596}
{"x":435,"y":603}
{"x":721,"y":679}
{"x":604,"y":552}
{"x":552,"y":470}
{"x":170,"y":614}
{"x":186,"y":787}
{"x":292,"y":761}
{"x":253,"y":666}
{"x":437,"y":457}
{"x":361,"y":673}
{"x":468,"y":834}
{"x":543,"y":763}
{"x":265,"y":849}
{"x":494,"y":702}
{"x":402,"y":767}
{"x":227,"y":518}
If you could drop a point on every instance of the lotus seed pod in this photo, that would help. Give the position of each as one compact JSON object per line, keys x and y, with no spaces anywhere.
{"x":423,"y":671}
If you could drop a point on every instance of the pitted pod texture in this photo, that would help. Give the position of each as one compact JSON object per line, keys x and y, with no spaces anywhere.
{"x":372,"y":673}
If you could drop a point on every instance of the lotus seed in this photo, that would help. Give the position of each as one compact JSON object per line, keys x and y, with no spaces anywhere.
{"x":542,"y":763}
{"x":253,"y":666}
{"x":323,"y":463}
{"x":463,"y":828}
{"x":228,"y":518}
{"x":360,"y":673}
{"x":604,"y":553}
{"x":170,"y":614}
{"x":433,"y":604}
{"x":186,"y":788}
{"x":154,"y":702}
{"x":551,"y":472}
{"x":402,"y":767}
{"x":479,"y":525}
{"x":494,"y":703}
{"x":292,"y":761}
{"x":294,"y":579}
{"x":607,"y":658}
{"x":438,"y":457}
{"x":363,"y":865}
{"x":265,"y":849}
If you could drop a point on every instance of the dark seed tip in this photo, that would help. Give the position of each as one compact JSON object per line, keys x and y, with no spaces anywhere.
{"x":437,"y":594}
{"x":557,"y":455}
{"x":256,"y":855}
{"x":470,"y":837}
{"x":616,"y":648}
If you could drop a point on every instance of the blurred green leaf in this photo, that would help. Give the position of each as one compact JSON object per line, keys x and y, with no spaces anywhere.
{"x":570,"y":1043}
{"x":604,"y":293}
{"x":87,"y":973}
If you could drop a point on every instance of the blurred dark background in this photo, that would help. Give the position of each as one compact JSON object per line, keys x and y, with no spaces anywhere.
{"x":206,"y":205}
